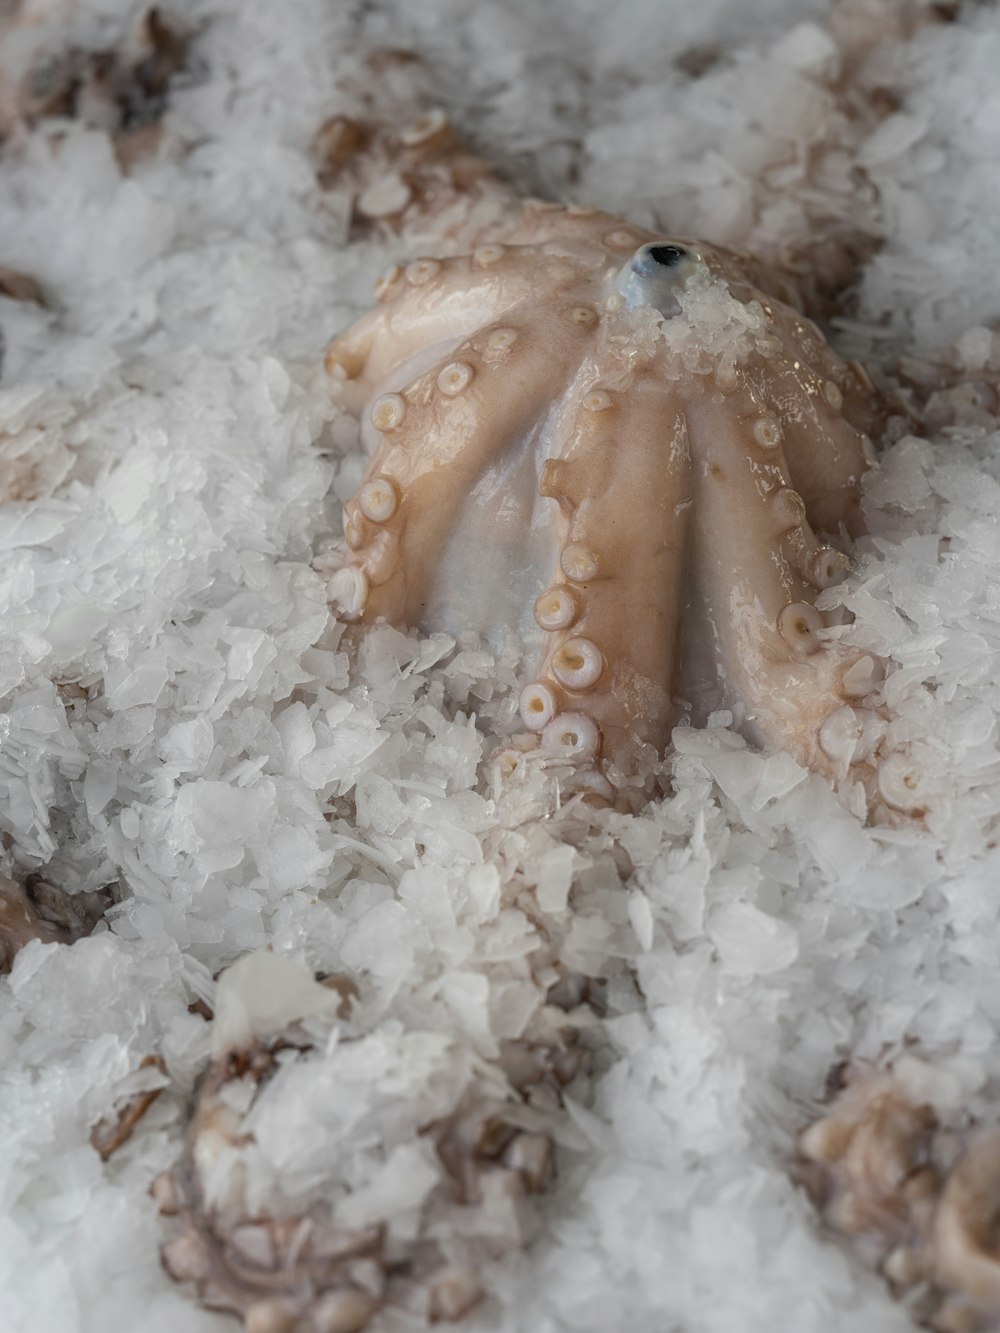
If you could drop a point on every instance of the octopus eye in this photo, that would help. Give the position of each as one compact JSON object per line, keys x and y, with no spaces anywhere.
{"x":655,"y":274}
{"x":667,"y":255}
{"x":651,"y":260}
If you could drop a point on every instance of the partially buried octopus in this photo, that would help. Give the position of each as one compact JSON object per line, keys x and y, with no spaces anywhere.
{"x":620,"y":446}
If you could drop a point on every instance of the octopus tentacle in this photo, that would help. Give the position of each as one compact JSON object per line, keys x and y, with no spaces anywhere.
{"x":567,"y":227}
{"x":915,"y":1194}
{"x":810,"y":395}
{"x":621,"y":566}
{"x":458,"y":434}
{"x":38,"y":910}
{"x":782,"y":672}
{"x":423,"y":303}
{"x":432,"y":302}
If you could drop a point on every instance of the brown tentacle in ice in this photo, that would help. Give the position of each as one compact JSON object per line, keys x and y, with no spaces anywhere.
{"x":924,"y":1195}
{"x":312,"y":1270}
{"x":411,"y":173}
{"x":826,"y":407}
{"x":38,"y":910}
{"x":20,"y":923}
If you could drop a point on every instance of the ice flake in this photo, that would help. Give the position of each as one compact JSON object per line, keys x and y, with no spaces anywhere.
{"x":402,"y":1185}
{"x":261,"y":995}
{"x":751,"y":941}
{"x":216,"y":822}
{"x":139,"y":686}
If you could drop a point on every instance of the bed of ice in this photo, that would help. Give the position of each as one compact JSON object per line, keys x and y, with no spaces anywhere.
{"x":247,"y":784}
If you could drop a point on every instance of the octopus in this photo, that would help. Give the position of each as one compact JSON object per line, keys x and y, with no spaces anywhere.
{"x":628,"y":449}
{"x":310,"y":1266}
{"x":920,"y":1199}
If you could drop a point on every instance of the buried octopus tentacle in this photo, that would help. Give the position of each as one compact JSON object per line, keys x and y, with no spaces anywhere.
{"x":912,"y":1193}
{"x":422,"y":1176}
{"x":615,"y":444}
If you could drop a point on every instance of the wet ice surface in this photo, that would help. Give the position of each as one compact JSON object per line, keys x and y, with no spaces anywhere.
{"x":180,"y":718}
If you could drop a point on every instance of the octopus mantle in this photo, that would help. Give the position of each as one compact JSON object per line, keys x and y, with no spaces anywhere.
{"x":620,"y":448}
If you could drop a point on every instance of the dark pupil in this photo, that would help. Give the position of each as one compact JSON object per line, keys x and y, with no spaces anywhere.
{"x":667,"y":255}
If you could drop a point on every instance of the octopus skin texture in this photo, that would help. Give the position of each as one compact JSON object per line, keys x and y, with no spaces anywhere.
{"x":621,"y":447}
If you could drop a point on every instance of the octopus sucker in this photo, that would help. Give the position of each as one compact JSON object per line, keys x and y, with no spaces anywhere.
{"x":556,"y":608}
{"x":538,"y":705}
{"x":628,"y":449}
{"x":577,"y":664}
{"x":575,"y":733}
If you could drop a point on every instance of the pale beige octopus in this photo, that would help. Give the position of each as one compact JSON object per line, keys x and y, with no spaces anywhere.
{"x":622,"y":447}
